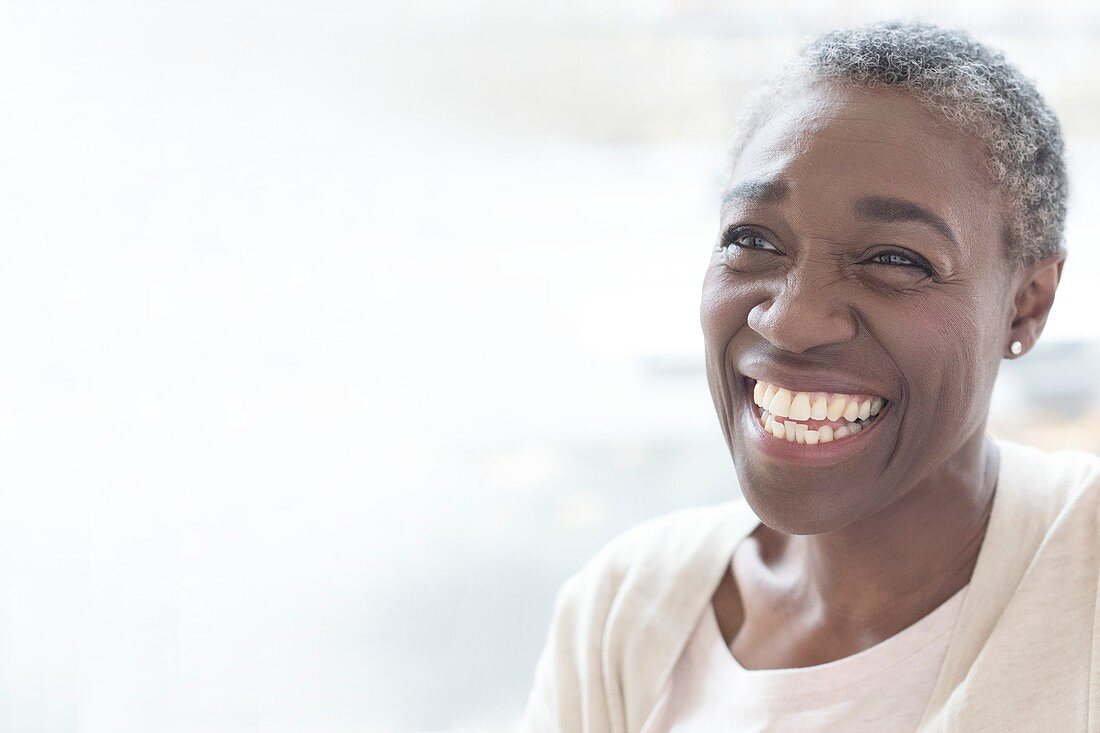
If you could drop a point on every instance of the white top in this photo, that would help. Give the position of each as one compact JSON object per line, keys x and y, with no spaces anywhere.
{"x":1024,"y":654}
{"x":883,"y":688}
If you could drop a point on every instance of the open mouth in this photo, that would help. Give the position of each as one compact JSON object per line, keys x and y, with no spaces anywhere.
{"x":813,"y":418}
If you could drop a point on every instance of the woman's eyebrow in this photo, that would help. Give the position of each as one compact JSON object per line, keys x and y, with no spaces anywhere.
{"x":887,"y":208}
{"x":758,"y":191}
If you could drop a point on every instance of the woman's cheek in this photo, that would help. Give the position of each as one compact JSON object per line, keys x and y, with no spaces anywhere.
{"x":725,"y":305}
{"x":937,"y":349}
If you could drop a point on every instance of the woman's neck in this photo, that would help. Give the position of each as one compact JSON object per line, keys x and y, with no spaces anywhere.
{"x":887,"y":570}
{"x":925,"y":544}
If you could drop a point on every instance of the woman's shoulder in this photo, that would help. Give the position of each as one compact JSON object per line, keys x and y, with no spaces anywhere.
{"x":663,"y":543}
{"x":1048,"y":499}
{"x":634,"y":603}
{"x":1061,"y":477}
{"x":653,"y":568}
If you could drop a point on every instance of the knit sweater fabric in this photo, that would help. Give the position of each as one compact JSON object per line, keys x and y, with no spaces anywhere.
{"x":1024,"y":654}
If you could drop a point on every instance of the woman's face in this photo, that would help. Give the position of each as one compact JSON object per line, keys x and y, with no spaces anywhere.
{"x":860,"y":255}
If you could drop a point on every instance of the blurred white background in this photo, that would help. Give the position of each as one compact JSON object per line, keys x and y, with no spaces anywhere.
{"x":337,"y":334}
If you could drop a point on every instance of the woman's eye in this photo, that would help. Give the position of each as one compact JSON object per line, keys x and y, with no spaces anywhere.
{"x":902,"y":259}
{"x":893,"y":258}
{"x":749,"y":240}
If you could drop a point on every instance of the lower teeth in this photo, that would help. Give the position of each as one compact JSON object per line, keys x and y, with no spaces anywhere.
{"x":806,"y":435}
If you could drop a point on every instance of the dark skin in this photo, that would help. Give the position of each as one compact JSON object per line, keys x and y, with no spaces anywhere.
{"x":806,"y":279}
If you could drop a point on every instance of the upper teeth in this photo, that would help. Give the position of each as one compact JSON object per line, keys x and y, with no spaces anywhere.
{"x":815,"y":405}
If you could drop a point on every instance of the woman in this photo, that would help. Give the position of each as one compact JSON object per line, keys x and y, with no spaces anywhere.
{"x":892,"y":229}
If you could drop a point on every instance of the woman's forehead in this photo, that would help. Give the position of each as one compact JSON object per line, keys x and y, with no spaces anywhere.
{"x":833,"y":146}
{"x":846,"y":133}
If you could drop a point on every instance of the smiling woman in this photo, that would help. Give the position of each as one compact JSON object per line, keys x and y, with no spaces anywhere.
{"x":892,"y":230}
{"x":843,"y":292}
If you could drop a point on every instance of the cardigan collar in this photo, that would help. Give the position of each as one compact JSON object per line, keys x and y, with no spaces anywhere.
{"x":1017,"y":524}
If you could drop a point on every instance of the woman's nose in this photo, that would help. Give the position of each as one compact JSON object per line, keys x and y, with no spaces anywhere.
{"x":801,"y":315}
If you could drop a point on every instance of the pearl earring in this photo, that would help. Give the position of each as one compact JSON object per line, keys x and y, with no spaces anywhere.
{"x":1016,"y":347}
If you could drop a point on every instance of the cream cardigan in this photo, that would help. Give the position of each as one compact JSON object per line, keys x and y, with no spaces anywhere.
{"x":1024,"y":654}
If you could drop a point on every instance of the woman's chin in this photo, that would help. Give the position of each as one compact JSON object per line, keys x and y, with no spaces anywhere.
{"x":801,"y":508}
{"x":810,"y":489}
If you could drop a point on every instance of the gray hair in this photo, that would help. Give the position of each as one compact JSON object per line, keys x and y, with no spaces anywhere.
{"x":975,"y":90}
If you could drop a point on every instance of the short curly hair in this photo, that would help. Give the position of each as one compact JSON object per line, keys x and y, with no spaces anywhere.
{"x":975,"y":90}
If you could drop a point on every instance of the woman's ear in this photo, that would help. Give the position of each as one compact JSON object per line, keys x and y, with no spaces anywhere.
{"x":1035,"y":287}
